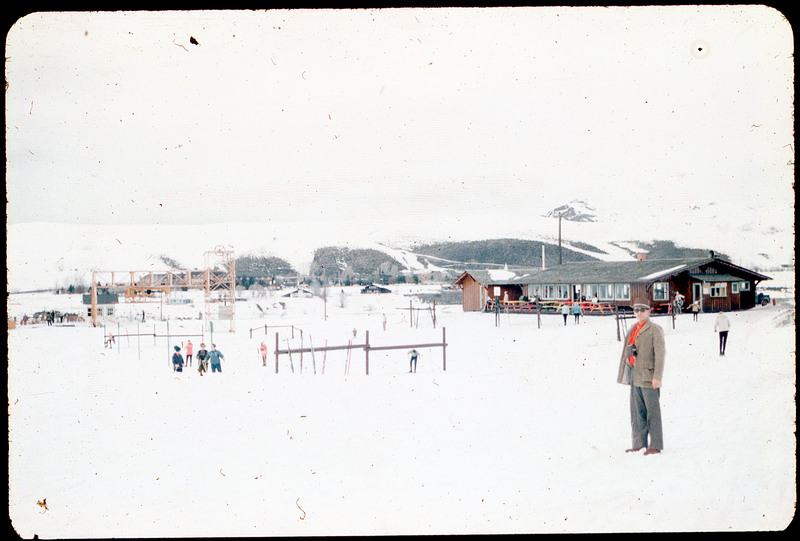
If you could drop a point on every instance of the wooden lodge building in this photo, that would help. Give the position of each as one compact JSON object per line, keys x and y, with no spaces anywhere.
{"x":604,"y":286}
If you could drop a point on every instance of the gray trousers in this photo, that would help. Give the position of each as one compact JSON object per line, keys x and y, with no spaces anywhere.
{"x":646,"y":418}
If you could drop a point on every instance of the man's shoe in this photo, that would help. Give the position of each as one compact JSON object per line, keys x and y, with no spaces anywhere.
{"x":633,"y":450}
{"x":652,"y":451}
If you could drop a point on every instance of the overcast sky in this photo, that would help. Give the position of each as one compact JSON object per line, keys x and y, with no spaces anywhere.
{"x":284,"y":115}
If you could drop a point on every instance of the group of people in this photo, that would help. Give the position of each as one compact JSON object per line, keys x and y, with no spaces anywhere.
{"x":204,"y":358}
{"x":576,"y":311}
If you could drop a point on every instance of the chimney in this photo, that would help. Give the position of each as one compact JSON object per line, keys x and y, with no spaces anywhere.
{"x":711,"y":254}
{"x":641,"y":257}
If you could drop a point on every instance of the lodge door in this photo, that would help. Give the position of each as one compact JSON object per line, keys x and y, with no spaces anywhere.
{"x":697,"y":294}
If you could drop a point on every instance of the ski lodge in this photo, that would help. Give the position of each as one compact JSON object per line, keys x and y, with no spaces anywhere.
{"x":602,"y":287}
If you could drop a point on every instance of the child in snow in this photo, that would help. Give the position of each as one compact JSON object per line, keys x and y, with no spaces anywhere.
{"x":695,"y":307}
{"x":263,"y":351}
{"x":189,"y":353}
{"x":177,"y":360}
{"x":202,"y":364}
{"x":214,"y":357}
{"x":414,"y":355}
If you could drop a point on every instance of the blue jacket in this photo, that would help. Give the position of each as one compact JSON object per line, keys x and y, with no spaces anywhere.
{"x":214,"y":356}
{"x":576,"y":309}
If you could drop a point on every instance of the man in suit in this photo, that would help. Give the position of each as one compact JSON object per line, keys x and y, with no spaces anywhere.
{"x":641,"y":366}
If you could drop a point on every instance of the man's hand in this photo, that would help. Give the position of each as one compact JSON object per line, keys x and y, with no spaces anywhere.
{"x":656,"y":383}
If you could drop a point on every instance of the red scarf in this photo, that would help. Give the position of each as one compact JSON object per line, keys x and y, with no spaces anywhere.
{"x":632,"y":339}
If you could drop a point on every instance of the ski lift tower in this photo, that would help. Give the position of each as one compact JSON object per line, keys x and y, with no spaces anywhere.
{"x":220,"y":284}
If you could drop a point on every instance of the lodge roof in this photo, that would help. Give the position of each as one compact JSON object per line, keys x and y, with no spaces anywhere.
{"x":603,"y":272}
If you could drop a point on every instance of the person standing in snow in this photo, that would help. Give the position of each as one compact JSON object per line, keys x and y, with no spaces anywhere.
{"x":577,"y":311}
{"x":413,"y":355}
{"x":189,"y":353}
{"x":263,"y":350}
{"x":695,"y":308}
{"x":214,"y":357}
{"x":177,"y":360}
{"x":723,"y":325}
{"x":641,"y":366}
{"x":202,"y":363}
{"x":565,"y":312}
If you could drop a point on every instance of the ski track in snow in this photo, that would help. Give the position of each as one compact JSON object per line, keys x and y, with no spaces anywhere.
{"x":523,"y":433}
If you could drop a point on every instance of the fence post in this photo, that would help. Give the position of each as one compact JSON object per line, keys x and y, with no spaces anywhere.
{"x":366,"y":351}
{"x":444,"y":349}
{"x":277,"y":343}
{"x":169,"y":360}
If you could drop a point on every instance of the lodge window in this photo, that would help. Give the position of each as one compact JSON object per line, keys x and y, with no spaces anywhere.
{"x":734,"y":288}
{"x":562,"y":290}
{"x":605,"y":292}
{"x":744,"y":286}
{"x":622,"y":292}
{"x":720,"y":289}
{"x":496,"y":291}
{"x":591,"y":291}
{"x":661,"y":291}
{"x":534,"y":291}
{"x":549,"y":291}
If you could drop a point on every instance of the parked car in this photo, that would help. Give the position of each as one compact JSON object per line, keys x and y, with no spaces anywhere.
{"x":762,"y":299}
{"x":372,"y":288}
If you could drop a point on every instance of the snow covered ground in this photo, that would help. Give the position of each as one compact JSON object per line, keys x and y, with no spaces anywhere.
{"x":523,"y":433}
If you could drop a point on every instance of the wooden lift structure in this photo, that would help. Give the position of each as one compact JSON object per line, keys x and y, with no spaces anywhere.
{"x":218,"y":280}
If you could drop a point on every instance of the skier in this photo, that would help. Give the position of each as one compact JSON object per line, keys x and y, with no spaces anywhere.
{"x":414,"y":355}
{"x":565,"y":312}
{"x":263,"y":351}
{"x":189,"y":353}
{"x":177,"y":360}
{"x":214,"y":357}
{"x":202,"y":363}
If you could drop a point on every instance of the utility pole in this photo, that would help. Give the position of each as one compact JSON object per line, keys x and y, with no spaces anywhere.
{"x":559,"y":238}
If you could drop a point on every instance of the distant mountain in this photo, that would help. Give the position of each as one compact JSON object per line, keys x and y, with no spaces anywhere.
{"x":354,"y":266}
{"x":499,"y":252}
{"x":666,"y":249}
{"x":56,"y":256}
{"x":574,"y":211}
{"x":446,"y":260}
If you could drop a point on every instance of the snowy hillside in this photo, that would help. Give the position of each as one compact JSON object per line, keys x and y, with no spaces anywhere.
{"x":44,"y":256}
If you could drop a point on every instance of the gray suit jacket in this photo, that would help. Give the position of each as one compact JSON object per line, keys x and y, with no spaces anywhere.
{"x":650,"y":359}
